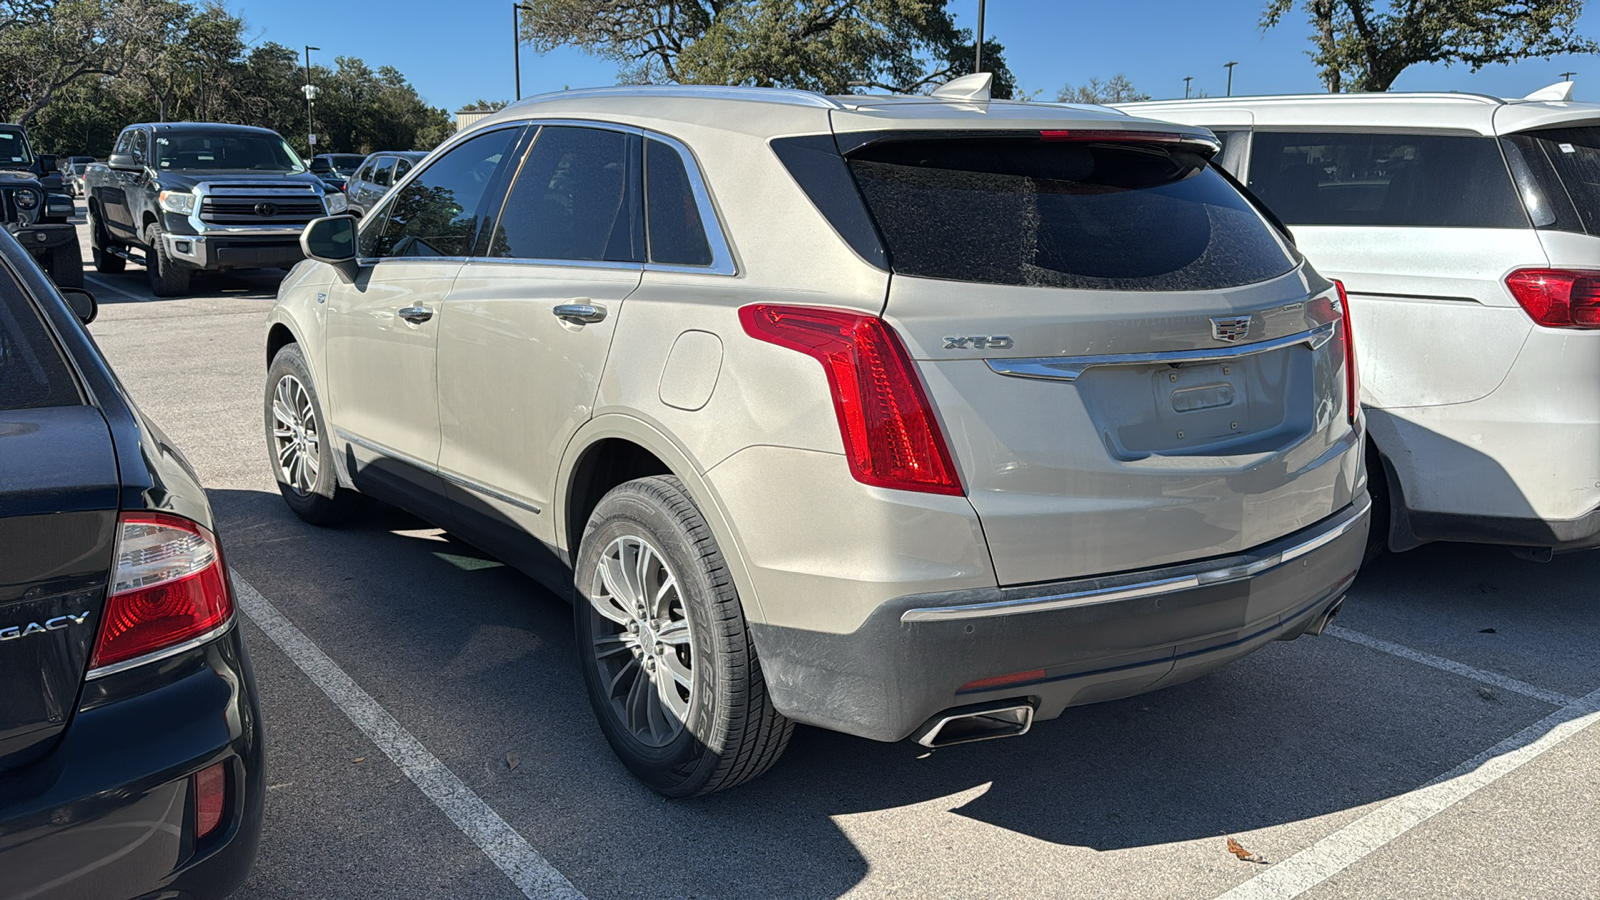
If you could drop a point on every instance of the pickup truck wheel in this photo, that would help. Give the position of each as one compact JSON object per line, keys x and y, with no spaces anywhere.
{"x":297,"y":442}
{"x":667,"y":658}
{"x":104,"y":261}
{"x":64,"y":264}
{"x":167,"y":278}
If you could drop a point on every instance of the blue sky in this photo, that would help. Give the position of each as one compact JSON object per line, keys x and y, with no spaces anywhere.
{"x":458,"y":52}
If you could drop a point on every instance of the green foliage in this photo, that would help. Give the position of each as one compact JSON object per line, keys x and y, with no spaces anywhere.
{"x":831,"y":46}
{"x":1118,"y":89}
{"x":175,"y":60}
{"x":1364,"y":46}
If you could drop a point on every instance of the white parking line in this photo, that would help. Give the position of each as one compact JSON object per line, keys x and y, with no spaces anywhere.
{"x":529,"y":871}
{"x":105,"y":286}
{"x":1370,"y":833}
{"x":1504,"y":682}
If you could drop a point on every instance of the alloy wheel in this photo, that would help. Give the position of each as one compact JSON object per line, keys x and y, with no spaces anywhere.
{"x":295,"y":435}
{"x":642,"y":642}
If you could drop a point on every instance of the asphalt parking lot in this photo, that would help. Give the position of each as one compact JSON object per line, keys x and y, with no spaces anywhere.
{"x":429,"y":736}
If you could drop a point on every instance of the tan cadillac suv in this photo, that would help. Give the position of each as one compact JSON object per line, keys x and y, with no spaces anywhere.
{"x":906,"y":417}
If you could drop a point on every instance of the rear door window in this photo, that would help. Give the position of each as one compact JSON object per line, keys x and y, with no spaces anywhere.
{"x":33,"y":373}
{"x":1418,"y":180}
{"x":1087,"y":215}
{"x":1565,"y":164}
{"x":381,"y":176}
{"x":576,"y":198}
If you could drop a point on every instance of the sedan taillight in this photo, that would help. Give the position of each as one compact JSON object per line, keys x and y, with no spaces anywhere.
{"x":168,"y":588}
{"x":891,"y":436}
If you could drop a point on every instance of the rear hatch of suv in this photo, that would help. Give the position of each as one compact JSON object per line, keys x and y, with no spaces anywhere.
{"x":1557,"y":170}
{"x":58,"y":516}
{"x":1132,"y":366}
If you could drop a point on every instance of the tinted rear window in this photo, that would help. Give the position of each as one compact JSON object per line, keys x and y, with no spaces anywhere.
{"x":1064,"y":214}
{"x":1566,"y":165}
{"x":32,"y":372}
{"x":1439,"y":181}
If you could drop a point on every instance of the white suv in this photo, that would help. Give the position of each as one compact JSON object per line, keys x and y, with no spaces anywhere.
{"x":1467,"y":229}
{"x":898,"y":416}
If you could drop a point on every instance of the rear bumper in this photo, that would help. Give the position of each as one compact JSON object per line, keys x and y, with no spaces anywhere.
{"x":1080,"y":641}
{"x":109,"y":812}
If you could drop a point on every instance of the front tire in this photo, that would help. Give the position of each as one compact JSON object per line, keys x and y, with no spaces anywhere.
{"x":167,"y":277}
{"x":667,"y":658}
{"x":64,"y":264}
{"x":299,"y":450}
{"x":99,"y":242}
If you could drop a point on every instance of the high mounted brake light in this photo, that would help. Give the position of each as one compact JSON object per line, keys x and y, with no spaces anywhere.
{"x":169,"y":588}
{"x":1558,"y":298}
{"x":891,"y":436}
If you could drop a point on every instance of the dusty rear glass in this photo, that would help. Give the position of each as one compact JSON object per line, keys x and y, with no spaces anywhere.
{"x":1095,"y":216}
{"x":32,"y":372}
{"x":1565,"y":165}
{"x":1415,"y":180}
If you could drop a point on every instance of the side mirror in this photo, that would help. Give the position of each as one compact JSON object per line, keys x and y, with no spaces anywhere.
{"x":320,"y":166}
{"x":332,"y":240}
{"x":123,"y":162}
{"x":48,"y":163}
{"x":81,"y":302}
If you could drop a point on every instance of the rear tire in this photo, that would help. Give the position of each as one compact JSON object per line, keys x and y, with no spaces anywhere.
{"x":666,"y":656}
{"x":167,"y":278}
{"x":297,"y":445}
{"x":1378,"y":488}
{"x":64,"y":264}
{"x":99,"y":241}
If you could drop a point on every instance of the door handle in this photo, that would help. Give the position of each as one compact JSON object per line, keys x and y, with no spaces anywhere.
{"x":416,"y":315}
{"x":580,"y":313}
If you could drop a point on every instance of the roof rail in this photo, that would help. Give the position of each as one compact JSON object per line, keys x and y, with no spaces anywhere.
{"x":786,"y":96}
{"x":1373,"y":95}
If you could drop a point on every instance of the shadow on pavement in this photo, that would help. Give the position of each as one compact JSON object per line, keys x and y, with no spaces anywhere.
{"x":476,"y":661}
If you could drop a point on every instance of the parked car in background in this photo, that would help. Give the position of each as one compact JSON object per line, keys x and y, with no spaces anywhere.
{"x":377,"y":174}
{"x":180,"y":198}
{"x":905,"y":417}
{"x":35,"y":208}
{"x":130,"y":733}
{"x":335,"y":169}
{"x":72,"y":176}
{"x":1467,"y":229}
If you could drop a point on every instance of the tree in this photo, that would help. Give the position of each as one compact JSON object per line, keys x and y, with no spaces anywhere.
{"x":1362,"y":47}
{"x":486,"y":106}
{"x":905,"y":46}
{"x":1117,"y":90}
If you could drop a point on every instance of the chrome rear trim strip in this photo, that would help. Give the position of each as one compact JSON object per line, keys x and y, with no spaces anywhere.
{"x":1151,"y":588}
{"x":1068,"y":368}
{"x":161,"y":654}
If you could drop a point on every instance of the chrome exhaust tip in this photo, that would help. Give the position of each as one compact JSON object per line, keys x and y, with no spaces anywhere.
{"x":966,"y":724}
{"x":1321,"y":623}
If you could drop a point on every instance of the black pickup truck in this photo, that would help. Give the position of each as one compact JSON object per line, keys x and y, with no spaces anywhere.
{"x":34,"y":208}
{"x":180,"y":197}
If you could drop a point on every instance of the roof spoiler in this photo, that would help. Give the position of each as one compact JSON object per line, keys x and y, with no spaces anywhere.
{"x":1559,"y":92}
{"x":967,"y":87}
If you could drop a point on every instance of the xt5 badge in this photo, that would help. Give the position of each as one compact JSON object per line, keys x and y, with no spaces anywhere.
{"x":979,"y":342}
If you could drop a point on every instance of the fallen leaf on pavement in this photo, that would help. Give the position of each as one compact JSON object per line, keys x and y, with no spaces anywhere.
{"x":1237,"y":849}
{"x":513,"y":761}
{"x":1486,"y":694}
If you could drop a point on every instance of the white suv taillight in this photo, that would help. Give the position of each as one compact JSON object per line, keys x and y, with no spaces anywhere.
{"x":891,"y":436}
{"x":1558,"y":298}
{"x":168,"y":589}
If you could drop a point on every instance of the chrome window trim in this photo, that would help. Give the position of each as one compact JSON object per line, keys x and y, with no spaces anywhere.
{"x":433,"y":469}
{"x":722,"y":262}
{"x":553,"y":263}
{"x":1152,"y":588}
{"x":163,"y":653}
{"x":1068,"y":368}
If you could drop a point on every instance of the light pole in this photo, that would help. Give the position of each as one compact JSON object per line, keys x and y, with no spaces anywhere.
{"x":977,"y":61}
{"x":1186,"y":80}
{"x":1229,"y":67}
{"x":311,"y":94}
{"x":516,"y":41}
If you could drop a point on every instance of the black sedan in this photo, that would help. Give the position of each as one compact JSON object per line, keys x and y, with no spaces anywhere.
{"x":130,"y":734}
